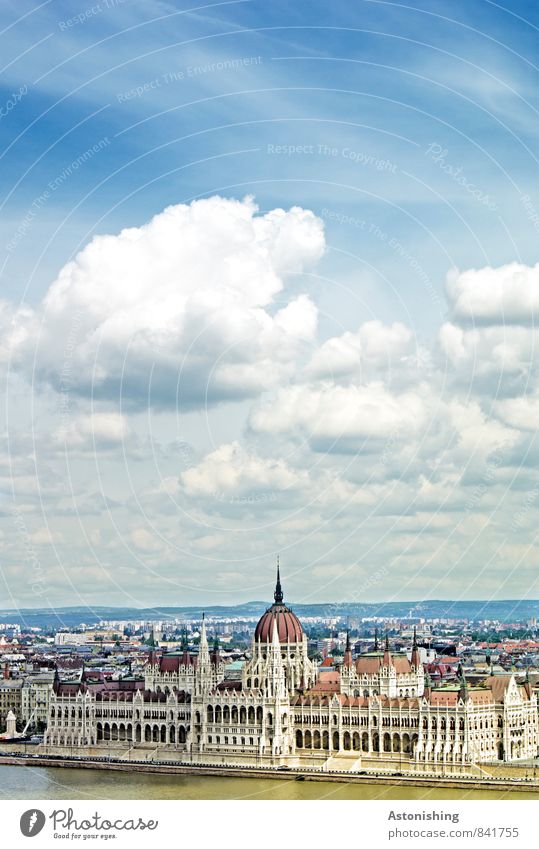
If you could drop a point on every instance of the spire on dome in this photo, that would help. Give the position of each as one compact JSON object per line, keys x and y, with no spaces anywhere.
{"x":278,"y":594}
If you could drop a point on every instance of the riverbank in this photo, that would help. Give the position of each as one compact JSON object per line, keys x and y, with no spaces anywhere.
{"x":371,"y":778}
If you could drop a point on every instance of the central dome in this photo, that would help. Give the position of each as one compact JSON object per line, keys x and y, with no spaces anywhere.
{"x":289,"y":628}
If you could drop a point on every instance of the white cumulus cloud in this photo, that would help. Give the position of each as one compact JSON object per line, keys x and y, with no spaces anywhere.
{"x":328,"y":413}
{"x":181,"y":307}
{"x":232,"y":470}
{"x":505,"y":295}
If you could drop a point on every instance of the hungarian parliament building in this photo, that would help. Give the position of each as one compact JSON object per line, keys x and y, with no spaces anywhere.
{"x":285,"y":710}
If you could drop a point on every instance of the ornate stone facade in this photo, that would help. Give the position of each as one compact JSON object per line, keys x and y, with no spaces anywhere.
{"x":285,"y":710}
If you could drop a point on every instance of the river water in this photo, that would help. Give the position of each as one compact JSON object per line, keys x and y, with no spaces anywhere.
{"x":20,"y":782}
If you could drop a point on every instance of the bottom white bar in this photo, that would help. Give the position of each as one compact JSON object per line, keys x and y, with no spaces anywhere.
{"x":260,"y":824}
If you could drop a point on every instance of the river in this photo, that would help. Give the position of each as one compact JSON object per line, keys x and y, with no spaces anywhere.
{"x":20,"y":782}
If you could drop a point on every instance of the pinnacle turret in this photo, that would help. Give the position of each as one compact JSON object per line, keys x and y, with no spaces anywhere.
{"x":278,"y":594}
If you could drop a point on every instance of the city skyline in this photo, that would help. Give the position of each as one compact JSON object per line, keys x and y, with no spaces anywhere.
{"x":269,"y":286}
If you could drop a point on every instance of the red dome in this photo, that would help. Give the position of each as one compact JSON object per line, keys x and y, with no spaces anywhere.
{"x":288,"y":625}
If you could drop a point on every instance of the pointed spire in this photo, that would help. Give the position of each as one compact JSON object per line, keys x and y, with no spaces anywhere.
{"x":278,"y":594}
{"x":415,"y":659}
{"x":215,"y":656}
{"x":203,"y":646}
{"x":185,"y":659}
{"x":275,"y":636}
{"x":376,"y":639}
{"x":387,"y":659}
{"x":463,"y":692}
{"x":347,"y":660}
{"x":527,"y":683}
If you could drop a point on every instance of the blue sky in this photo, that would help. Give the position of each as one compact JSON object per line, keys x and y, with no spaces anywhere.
{"x":187,"y":400}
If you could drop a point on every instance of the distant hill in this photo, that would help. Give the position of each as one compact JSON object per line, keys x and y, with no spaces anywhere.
{"x":70,"y":617}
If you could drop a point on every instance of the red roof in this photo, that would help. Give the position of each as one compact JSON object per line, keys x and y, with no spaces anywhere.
{"x":371,"y":664}
{"x":288,"y":625}
{"x":328,"y":681}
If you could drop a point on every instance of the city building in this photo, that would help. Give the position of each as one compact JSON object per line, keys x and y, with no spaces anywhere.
{"x":35,"y":697}
{"x":10,"y":699}
{"x":283,"y":709}
{"x":63,"y":638}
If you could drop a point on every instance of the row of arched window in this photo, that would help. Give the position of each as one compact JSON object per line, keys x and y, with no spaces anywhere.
{"x":218,"y":714}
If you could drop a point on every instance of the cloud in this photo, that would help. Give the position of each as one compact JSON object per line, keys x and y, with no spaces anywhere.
{"x":94,"y":432}
{"x":496,"y":360}
{"x":337,"y":418}
{"x":181,"y":308}
{"x":146,"y":542}
{"x":505,"y":295}
{"x":231,"y":470}
{"x":44,"y":536}
{"x":521,"y":413}
{"x":375,"y":345}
